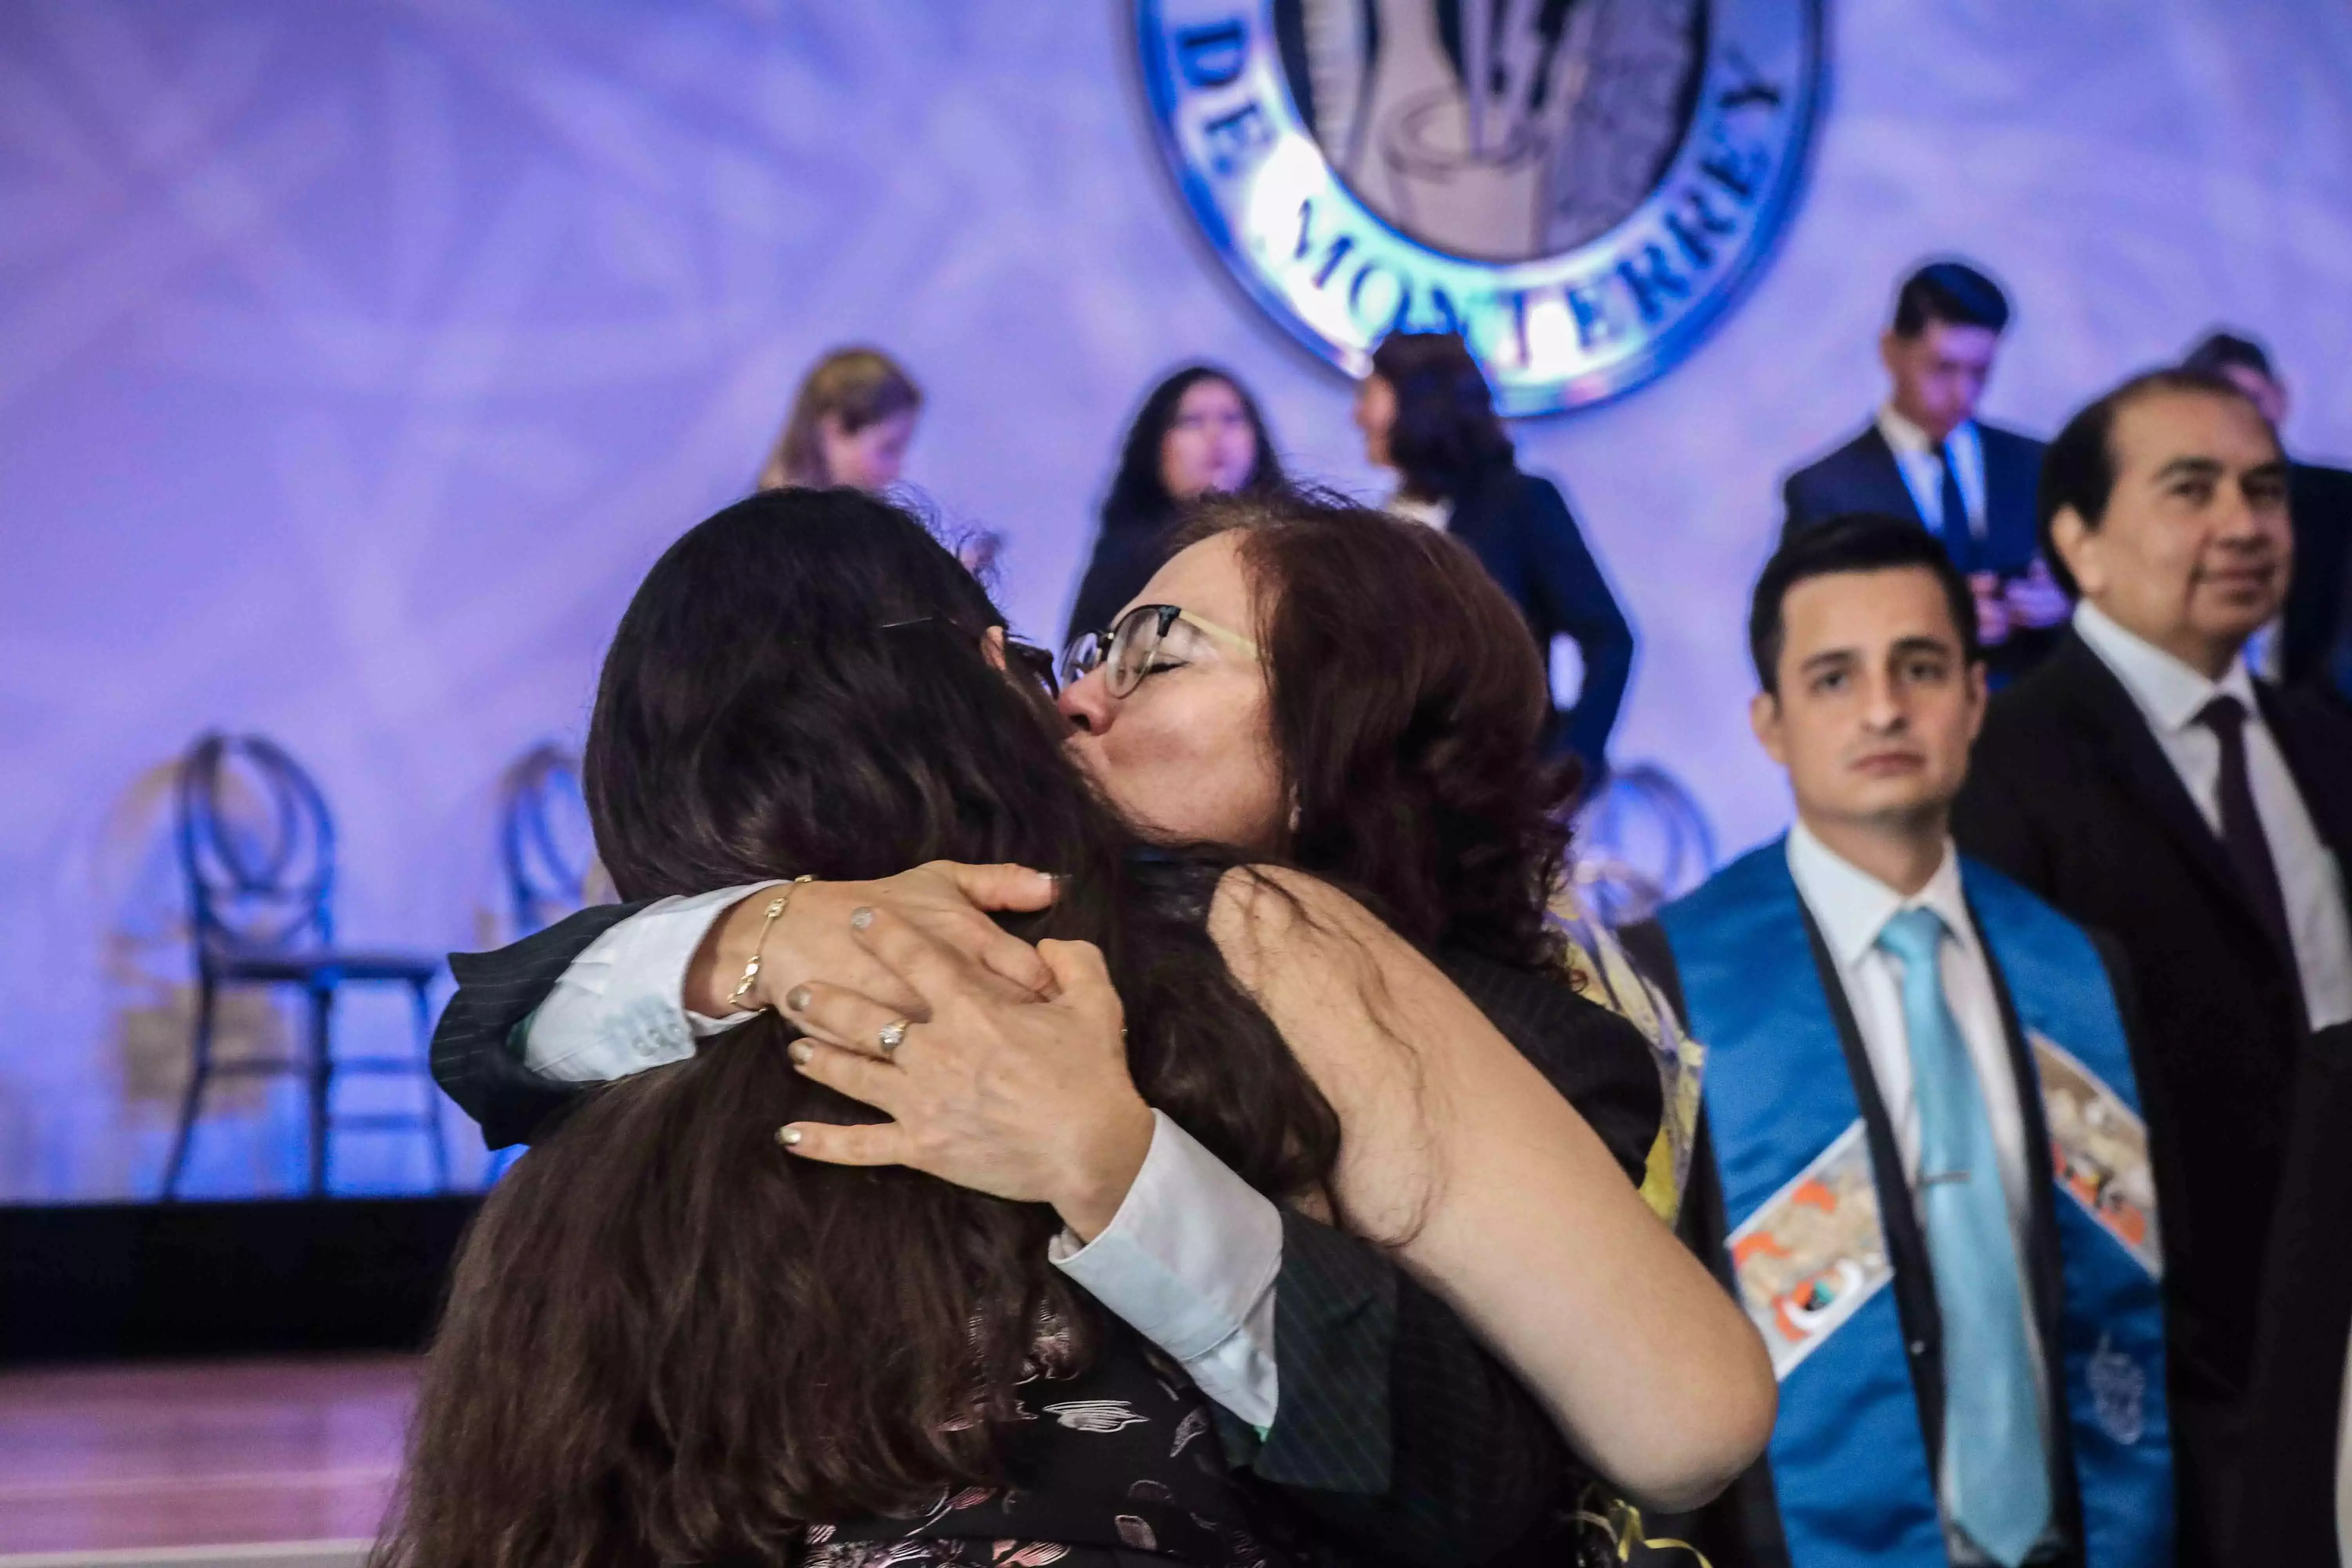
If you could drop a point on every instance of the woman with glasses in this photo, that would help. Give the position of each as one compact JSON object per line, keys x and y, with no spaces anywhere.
{"x":1199,"y":432}
{"x":670,"y":1339}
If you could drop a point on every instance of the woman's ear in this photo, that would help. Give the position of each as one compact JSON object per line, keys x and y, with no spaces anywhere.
{"x":992,"y":647}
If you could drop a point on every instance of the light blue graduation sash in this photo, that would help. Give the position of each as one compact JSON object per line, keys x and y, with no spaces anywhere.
{"x":1851,"y":1469}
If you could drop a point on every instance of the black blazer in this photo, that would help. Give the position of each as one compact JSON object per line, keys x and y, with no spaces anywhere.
{"x":2287,"y":1513}
{"x":2319,"y":599}
{"x":1863,"y":476}
{"x":1521,"y":531}
{"x":2069,"y":792}
{"x":1395,"y":1424}
{"x":1743,"y":1527}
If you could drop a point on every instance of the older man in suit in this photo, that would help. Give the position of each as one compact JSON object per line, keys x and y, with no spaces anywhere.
{"x":1926,"y":456}
{"x":2143,"y":782}
{"x":2314,"y":641}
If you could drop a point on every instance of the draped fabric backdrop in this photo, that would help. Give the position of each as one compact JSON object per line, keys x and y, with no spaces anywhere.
{"x":356,"y":359}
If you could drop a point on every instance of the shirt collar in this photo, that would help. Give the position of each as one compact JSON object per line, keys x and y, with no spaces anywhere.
{"x":1852,"y":907}
{"x":1908,"y":439}
{"x":2169,"y":693}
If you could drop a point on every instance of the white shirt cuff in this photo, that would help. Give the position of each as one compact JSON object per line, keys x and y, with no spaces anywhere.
{"x":1189,"y":1262}
{"x":620,"y":1008}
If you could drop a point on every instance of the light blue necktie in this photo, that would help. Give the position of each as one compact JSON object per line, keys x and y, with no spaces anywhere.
{"x":1995,"y":1468}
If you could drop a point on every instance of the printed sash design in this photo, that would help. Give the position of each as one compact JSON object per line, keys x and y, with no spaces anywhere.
{"x":1812,"y":1253}
{"x":2099,"y":1145}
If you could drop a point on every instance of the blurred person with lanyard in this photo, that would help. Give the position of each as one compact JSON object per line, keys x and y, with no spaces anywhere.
{"x":2145,"y":782}
{"x":2312,"y":642}
{"x":1427,"y":413}
{"x":1926,"y":456}
{"x":1923,"y":1165}
{"x":1198,"y":434}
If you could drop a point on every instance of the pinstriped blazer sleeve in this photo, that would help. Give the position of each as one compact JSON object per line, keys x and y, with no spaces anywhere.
{"x":1395,"y":1424}
{"x":472,"y":1059}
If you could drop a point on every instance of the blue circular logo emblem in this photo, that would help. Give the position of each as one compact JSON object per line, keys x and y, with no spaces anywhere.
{"x":1580,"y":187}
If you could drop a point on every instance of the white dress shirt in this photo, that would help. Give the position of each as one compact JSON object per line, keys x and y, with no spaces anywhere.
{"x":1851,"y":908}
{"x":1189,"y":1261}
{"x":1922,"y":465}
{"x":2169,"y":695}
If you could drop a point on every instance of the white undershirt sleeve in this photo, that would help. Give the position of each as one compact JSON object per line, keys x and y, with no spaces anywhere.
{"x":1190,"y":1260}
{"x":620,"y":1008}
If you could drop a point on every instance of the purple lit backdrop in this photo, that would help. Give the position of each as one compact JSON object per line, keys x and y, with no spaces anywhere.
{"x":356,"y":359}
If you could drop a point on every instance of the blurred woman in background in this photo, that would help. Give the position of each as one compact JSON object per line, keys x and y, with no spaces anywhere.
{"x":851,"y":423}
{"x":1199,"y":432}
{"x":1427,"y":413}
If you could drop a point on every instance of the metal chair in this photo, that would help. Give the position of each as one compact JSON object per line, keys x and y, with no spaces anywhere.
{"x":260,"y":894}
{"x":549,"y":848}
{"x":1640,"y":842}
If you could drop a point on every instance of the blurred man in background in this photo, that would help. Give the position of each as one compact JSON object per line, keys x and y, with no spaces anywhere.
{"x":1926,"y":456}
{"x":2313,"y":644}
{"x":2142,"y":782}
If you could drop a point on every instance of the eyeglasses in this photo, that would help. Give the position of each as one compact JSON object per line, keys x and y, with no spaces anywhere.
{"x":1148,"y":638}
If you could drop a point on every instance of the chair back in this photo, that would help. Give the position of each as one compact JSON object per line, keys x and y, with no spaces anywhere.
{"x":257,"y":847}
{"x":547,"y":842}
{"x":1640,"y":842}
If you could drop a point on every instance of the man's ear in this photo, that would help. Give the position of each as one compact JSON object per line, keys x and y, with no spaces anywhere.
{"x":1890,"y":350}
{"x":1764,"y":719}
{"x":2077,"y":544}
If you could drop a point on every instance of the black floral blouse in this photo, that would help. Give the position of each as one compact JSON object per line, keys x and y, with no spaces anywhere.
{"x":1117,"y":1464}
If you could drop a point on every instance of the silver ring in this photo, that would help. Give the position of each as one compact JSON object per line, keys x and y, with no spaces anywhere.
{"x":893,"y":1035}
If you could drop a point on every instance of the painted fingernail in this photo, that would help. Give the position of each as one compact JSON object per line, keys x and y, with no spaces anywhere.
{"x":796,"y":1000}
{"x":803,"y":1052}
{"x":788,"y":1136}
{"x":860,"y":918}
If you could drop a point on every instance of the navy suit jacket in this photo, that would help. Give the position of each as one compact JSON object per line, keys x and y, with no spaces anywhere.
{"x":1523,"y":533}
{"x":1863,"y":476}
{"x":2319,"y":599}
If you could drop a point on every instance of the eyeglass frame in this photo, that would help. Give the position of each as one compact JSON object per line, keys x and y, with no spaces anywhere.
{"x":1099,"y":643}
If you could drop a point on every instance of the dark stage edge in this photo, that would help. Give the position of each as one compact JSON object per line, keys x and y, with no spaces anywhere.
{"x":101,"y":1282}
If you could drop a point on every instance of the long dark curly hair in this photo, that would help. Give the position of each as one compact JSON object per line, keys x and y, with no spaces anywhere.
{"x":1138,"y":495}
{"x":668,"y":1341}
{"x":1407,"y":706}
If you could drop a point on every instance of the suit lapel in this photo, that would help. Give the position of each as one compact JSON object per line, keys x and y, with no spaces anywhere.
{"x":1886,"y":476}
{"x":2130,"y":753}
{"x":2012,"y":473}
{"x":2331,"y":810}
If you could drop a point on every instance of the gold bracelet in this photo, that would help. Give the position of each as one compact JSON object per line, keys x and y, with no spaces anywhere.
{"x":751,"y":969}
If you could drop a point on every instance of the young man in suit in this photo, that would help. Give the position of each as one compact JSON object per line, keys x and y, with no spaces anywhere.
{"x":1925,"y":456}
{"x":2315,"y":642}
{"x":1926,"y":1170}
{"x":2145,"y":784}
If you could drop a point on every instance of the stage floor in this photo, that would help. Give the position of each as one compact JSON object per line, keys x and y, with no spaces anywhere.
{"x":126,"y":1458}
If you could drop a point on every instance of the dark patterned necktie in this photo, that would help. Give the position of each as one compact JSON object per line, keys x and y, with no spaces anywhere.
{"x":2241,"y":825}
{"x":1958,"y":541}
